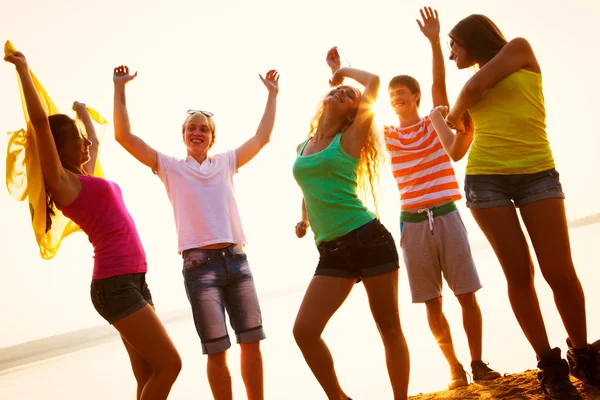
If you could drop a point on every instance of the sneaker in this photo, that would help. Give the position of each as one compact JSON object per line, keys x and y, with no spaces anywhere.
{"x":481,"y":371}
{"x":458,"y":377}
{"x":554,"y":377}
{"x":584,"y":363}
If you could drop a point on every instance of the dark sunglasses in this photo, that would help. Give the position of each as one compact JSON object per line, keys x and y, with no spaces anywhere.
{"x":205,"y":113}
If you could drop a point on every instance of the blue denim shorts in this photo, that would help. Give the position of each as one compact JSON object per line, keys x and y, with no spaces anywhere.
{"x":487,"y":191}
{"x":367,"y":251}
{"x":219,"y":280}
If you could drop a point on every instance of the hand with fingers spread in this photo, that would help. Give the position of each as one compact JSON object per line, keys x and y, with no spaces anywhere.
{"x":333,"y":59}
{"x":431,"y":24}
{"x":17,"y":59}
{"x":121,"y":75}
{"x":271,"y":81}
{"x":301,"y":228}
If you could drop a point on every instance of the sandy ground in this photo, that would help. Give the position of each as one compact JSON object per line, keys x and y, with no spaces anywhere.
{"x":523,"y":386}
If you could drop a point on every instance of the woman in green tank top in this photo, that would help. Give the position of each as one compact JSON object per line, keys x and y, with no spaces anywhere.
{"x":341,"y":155}
{"x":511,"y":166}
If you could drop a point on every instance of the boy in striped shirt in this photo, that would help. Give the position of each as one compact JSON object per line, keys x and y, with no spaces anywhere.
{"x":433,"y":237}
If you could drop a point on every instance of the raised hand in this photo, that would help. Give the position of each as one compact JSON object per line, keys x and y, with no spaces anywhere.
{"x":431,"y":24}
{"x":79,"y":108}
{"x":333,"y":59}
{"x":301,"y":228}
{"x":17,"y":59}
{"x":121,"y":75}
{"x":443,"y":110}
{"x":271,"y":81}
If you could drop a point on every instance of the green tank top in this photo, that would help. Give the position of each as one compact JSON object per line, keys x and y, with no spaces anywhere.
{"x":510,"y":128}
{"x":328,"y":182}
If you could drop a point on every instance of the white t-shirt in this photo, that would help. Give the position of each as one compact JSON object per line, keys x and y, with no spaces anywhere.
{"x":203,"y":199}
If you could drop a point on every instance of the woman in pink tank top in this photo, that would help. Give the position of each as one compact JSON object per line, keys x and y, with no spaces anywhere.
{"x":119,"y":291}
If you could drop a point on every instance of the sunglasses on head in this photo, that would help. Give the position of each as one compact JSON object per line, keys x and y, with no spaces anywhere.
{"x":205,"y":113}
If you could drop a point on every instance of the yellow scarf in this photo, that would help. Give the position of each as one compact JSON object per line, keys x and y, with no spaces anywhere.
{"x":24,"y":179}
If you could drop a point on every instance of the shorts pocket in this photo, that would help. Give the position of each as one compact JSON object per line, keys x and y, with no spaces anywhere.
{"x":374,"y":234}
{"x":97,"y":296}
{"x":195,"y":260}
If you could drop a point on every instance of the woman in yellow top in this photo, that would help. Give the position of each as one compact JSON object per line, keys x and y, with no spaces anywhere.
{"x":510,"y":166}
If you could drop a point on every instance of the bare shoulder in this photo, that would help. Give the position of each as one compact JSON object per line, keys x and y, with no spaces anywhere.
{"x":522,"y":45}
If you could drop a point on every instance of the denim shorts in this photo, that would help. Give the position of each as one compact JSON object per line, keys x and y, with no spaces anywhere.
{"x":367,"y":251}
{"x":119,"y":296}
{"x":487,"y":191}
{"x":216,"y":280}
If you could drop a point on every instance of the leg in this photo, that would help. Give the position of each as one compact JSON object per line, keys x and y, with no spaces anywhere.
{"x":323,"y":297}
{"x":502,"y":229}
{"x":142,"y":370}
{"x":473,"y":323}
{"x":440,"y":329}
{"x":547,"y":226}
{"x":204,"y":277}
{"x":245,"y":316}
{"x":144,"y":332}
{"x":252,"y":370}
{"x":382,"y":291}
{"x":219,"y":377}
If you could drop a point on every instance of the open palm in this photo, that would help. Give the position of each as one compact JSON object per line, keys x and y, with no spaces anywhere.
{"x":431,"y":23}
{"x":271,"y":81}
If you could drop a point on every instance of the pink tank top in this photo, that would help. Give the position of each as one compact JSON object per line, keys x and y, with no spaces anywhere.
{"x":100,"y":212}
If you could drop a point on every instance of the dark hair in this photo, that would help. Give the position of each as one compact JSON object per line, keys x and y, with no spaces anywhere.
{"x":409,"y":82}
{"x":480,"y":37}
{"x":62,"y":127}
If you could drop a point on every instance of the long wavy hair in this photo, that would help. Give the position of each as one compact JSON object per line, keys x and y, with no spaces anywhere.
{"x":63,"y":128}
{"x":371,"y":156}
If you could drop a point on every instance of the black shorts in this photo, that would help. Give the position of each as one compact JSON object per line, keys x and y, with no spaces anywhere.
{"x":367,"y":251}
{"x":119,"y":296}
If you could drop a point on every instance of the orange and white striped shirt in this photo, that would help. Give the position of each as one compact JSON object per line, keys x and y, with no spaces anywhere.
{"x":421,"y":167}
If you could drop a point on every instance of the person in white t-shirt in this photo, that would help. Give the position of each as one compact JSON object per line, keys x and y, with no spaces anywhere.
{"x":210,"y":235}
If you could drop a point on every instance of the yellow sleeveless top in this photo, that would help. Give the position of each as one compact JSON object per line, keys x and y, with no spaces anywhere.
{"x":510,"y":128}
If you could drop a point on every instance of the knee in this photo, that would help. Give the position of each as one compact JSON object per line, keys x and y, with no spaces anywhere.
{"x":468,"y":301}
{"x":251,"y":350}
{"x":520,"y":278}
{"x":434,"y":307}
{"x":218,"y":359}
{"x":304,"y":333}
{"x":173,"y":364}
{"x":390,"y":329}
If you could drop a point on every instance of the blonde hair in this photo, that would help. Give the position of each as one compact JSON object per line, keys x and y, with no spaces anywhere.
{"x":201,"y":118}
{"x":371,"y":157}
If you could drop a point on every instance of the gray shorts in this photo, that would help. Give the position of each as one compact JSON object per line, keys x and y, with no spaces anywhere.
{"x":436,"y":246}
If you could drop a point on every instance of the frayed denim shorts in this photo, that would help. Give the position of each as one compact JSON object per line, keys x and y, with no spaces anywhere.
{"x":487,"y":191}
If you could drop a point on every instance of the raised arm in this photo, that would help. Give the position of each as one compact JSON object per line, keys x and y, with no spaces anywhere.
{"x":130,"y":142}
{"x":84,"y":116}
{"x":62,"y":185}
{"x":515,"y":55}
{"x":456,"y":145}
{"x":252,"y":146}
{"x":357,"y":133}
{"x":430,"y":26}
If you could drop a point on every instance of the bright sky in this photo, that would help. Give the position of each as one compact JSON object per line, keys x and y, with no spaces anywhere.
{"x":195,"y":54}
